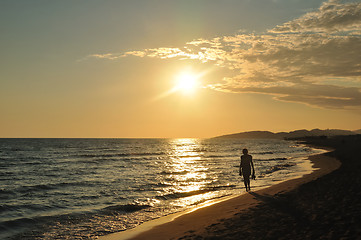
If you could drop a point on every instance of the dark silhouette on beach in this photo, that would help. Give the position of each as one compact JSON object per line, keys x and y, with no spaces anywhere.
{"x":245,"y":169}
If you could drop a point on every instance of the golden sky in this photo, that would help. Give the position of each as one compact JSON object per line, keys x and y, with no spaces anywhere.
{"x":178,"y":68}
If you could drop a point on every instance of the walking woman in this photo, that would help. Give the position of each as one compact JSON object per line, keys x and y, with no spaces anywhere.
{"x":245,"y":169}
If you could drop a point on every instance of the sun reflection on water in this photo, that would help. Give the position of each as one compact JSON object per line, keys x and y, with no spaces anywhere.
{"x":189,"y":174}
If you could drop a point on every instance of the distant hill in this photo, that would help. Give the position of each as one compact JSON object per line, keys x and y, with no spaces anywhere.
{"x":357,"y":131}
{"x":252,"y":134}
{"x":318,"y":132}
{"x":288,"y":135}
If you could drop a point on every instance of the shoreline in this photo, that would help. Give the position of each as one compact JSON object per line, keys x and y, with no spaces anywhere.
{"x":193,"y":221}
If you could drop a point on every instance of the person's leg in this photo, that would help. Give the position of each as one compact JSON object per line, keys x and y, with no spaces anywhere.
{"x":246,"y":182}
{"x":249,"y":184}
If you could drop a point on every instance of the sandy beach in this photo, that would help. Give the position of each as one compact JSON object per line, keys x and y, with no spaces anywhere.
{"x":322,"y":204}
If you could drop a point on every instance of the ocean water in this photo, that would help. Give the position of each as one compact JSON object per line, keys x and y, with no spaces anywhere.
{"x":84,"y":188}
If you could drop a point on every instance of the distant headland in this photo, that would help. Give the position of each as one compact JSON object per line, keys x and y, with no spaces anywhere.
{"x":290,"y":135}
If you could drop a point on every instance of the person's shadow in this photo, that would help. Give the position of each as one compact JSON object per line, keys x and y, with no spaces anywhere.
{"x":282,"y":205}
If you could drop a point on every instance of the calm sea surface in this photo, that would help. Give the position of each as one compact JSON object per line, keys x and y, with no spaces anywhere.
{"x":83,"y":188}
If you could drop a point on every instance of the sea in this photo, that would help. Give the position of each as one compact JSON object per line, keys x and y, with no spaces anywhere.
{"x":86,"y":188}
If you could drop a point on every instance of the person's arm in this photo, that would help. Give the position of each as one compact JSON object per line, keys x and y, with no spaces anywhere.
{"x":253,"y":173}
{"x":240,"y":168}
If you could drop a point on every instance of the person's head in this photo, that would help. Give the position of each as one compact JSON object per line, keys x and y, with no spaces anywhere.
{"x":245,"y":151}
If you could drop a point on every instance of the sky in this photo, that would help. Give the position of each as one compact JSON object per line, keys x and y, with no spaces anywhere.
{"x":178,"y":68}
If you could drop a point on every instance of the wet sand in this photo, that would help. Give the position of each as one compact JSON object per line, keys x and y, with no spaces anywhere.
{"x":323,"y":204}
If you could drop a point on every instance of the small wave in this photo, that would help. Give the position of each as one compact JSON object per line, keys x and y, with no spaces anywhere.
{"x":275,"y":159}
{"x":163,"y":184}
{"x":101,"y":155}
{"x":17,"y":149}
{"x":4,"y":192}
{"x":104,"y":155}
{"x":200,"y":150}
{"x":5,"y":207}
{"x":264,"y":153}
{"x":221,"y":156}
{"x":155,"y":186}
{"x":125,"y":208}
{"x":272,"y":159}
{"x":210,"y":199}
{"x":174,"y":173}
{"x":221,"y":187}
{"x":177,"y":195}
{"x":42,"y":187}
{"x":278,"y":167}
{"x":189,"y":156}
{"x":18,"y":223}
{"x":22,"y":207}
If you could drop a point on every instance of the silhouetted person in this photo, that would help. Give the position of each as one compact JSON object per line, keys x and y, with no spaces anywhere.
{"x":245,"y":169}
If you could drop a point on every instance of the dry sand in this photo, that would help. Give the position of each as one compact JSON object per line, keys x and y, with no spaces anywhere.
{"x":230,"y":219}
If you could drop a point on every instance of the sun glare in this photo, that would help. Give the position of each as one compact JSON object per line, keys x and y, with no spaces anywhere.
{"x":186,"y":82}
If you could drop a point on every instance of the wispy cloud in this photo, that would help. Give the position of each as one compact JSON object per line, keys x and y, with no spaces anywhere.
{"x":332,"y":16}
{"x":314,"y":59}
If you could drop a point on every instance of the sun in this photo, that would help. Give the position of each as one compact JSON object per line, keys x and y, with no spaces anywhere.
{"x":186,"y":82}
